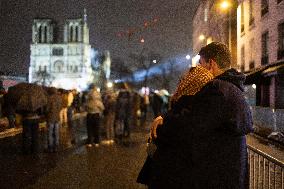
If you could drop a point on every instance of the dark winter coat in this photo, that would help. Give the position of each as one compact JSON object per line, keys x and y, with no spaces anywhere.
{"x":157,"y":104}
{"x":122,"y":109}
{"x":202,"y":143}
{"x":53,"y":108}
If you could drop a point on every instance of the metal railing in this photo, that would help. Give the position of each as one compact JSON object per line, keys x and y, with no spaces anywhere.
{"x":266,"y":172}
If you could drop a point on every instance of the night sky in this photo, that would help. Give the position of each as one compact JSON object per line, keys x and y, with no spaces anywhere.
{"x":108,"y":20}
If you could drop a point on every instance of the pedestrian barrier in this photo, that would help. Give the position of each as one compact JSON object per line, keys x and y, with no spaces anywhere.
{"x":266,"y":172}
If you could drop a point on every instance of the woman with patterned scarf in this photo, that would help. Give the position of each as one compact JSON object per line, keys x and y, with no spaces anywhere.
{"x":191,"y":83}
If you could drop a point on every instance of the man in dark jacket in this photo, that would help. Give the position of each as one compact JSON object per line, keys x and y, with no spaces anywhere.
{"x":156,"y":102}
{"x":202,"y":143}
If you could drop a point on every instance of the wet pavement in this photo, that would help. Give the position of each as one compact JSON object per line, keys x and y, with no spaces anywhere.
{"x":112,"y":166}
{"x":74,"y":166}
{"x":107,"y":166}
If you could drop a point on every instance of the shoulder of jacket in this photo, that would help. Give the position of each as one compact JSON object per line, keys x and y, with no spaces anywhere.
{"x":216,"y":86}
{"x":226,"y":88}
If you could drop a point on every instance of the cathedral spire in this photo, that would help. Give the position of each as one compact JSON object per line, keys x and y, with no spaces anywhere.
{"x":85,"y":28}
{"x":85,"y":16}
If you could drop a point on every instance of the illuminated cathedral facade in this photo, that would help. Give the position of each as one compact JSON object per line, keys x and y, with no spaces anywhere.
{"x":63,"y":65}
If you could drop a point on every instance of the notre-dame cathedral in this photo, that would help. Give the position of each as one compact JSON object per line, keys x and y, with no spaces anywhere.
{"x":65,"y":64}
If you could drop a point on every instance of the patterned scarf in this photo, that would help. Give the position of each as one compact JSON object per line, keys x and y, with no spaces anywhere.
{"x":192,"y":82}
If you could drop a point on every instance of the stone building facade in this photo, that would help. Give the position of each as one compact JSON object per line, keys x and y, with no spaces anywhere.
{"x":212,"y":23}
{"x":260,"y":34}
{"x":66,"y":64}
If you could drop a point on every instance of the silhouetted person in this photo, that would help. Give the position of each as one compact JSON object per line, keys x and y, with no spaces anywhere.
{"x":202,"y":143}
{"x":94,"y":108}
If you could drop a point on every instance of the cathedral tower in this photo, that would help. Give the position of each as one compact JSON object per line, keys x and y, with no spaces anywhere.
{"x":42,"y":31}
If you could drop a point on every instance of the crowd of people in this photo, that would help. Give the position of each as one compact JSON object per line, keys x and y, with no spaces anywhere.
{"x":111,"y":115}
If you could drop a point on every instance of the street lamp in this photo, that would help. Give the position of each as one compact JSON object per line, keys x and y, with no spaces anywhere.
{"x":201,"y":37}
{"x":109,"y":84}
{"x":226,"y":5}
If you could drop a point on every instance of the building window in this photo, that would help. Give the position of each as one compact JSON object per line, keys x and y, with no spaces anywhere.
{"x":251,"y":61}
{"x":71,"y":34}
{"x":251,"y":12}
{"x":40,"y":34}
{"x":76,"y":69}
{"x":242,"y":18}
{"x":39,"y":68}
{"x":280,"y":52}
{"x":264,"y":48}
{"x":76,"y":33}
{"x":45,"y":35}
{"x":57,"y":51}
{"x":264,"y":7}
{"x":243,"y":58}
{"x":251,"y":65}
{"x":45,"y":68}
{"x":205,"y":15}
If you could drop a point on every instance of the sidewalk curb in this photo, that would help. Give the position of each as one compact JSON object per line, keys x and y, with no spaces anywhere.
{"x":10,"y":132}
{"x":15,"y":131}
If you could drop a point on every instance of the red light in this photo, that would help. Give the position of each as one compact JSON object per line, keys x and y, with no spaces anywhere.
{"x":145,"y":24}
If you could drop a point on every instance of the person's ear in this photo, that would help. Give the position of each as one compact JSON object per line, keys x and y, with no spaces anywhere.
{"x":211,"y":64}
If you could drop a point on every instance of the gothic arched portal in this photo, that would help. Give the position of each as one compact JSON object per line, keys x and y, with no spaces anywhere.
{"x":58,"y":66}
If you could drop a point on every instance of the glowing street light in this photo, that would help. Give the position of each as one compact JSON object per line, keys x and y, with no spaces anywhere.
{"x":109,"y":84}
{"x":201,"y":37}
{"x":154,"y":61}
{"x":225,"y":5}
{"x":187,"y":57}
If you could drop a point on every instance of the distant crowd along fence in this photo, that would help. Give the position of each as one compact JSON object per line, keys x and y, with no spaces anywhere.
{"x":266,"y":172}
{"x":269,"y":118}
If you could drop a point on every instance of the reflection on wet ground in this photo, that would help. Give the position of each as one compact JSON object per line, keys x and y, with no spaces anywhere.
{"x":107,"y":166}
{"x":111,"y":166}
{"x":18,"y":170}
{"x":74,"y":166}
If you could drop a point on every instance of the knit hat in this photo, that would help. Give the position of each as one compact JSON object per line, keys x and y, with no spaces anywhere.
{"x":192,"y":82}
